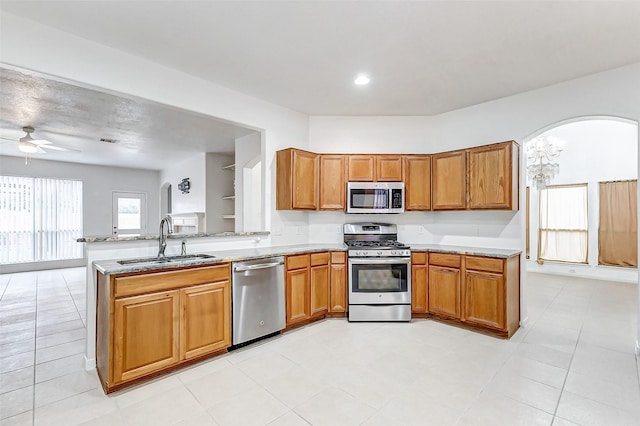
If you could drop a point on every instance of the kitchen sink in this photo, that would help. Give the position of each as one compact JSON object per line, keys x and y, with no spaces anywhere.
{"x":164,"y":259}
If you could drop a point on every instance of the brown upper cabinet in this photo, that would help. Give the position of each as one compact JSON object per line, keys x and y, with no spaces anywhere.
{"x":493,"y":176}
{"x":362,"y":168}
{"x":484,"y":177}
{"x":417,"y":182}
{"x":375,"y":168}
{"x":388,"y":168}
{"x":296,"y":180}
{"x":332,"y":186}
{"x":449,"y":175}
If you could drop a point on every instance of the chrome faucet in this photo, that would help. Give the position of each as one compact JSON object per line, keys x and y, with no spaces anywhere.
{"x":162,"y":240}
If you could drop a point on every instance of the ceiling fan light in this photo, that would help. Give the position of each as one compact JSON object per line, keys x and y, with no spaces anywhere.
{"x":27,"y":147}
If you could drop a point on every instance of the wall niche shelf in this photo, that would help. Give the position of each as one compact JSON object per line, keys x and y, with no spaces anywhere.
{"x":231,"y":168}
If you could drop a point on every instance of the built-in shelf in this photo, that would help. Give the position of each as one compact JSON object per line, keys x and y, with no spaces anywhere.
{"x":232,"y":168}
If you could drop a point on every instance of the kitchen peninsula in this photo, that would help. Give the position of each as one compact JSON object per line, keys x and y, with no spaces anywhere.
{"x":104,"y":253}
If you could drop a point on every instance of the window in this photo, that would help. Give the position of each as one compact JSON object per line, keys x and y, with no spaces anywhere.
{"x":618,"y":229}
{"x":41,"y":219}
{"x":129,"y":213}
{"x":563,"y":223}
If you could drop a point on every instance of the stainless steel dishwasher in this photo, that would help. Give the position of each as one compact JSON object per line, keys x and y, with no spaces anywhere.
{"x":258,"y":298}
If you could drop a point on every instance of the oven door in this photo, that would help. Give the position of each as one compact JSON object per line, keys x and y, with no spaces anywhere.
{"x":384,"y":280}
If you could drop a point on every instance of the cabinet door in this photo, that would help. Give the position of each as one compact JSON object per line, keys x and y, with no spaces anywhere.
{"x":338,"y":290}
{"x":419,"y":282}
{"x":449,"y":181}
{"x":333,"y":190}
{"x":417,"y":181}
{"x":388,"y":168}
{"x":485,"y":299}
{"x":305,"y":172}
{"x":319,"y":290}
{"x":491,"y":177}
{"x":297,"y":295}
{"x":296,"y":180}
{"x":205,"y":319}
{"x":444,"y":291}
{"x":419,"y":289}
{"x":145,"y":334}
{"x":361,"y":168}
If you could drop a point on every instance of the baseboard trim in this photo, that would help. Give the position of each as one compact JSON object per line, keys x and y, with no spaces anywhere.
{"x":89,"y":363}
{"x":524,"y":322}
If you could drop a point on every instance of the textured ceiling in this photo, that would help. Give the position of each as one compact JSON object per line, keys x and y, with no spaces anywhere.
{"x":148,"y":135}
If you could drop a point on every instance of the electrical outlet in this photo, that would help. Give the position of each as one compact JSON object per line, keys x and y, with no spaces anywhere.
{"x":572,"y":271}
{"x":297,"y":230}
{"x":420,"y":229}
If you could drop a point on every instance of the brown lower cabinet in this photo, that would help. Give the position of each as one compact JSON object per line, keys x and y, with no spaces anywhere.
{"x":419,"y":283}
{"x":151,"y":322}
{"x":338,"y":283}
{"x":444,"y":284}
{"x":306,"y":286}
{"x":482,"y":292}
{"x":492,"y":293}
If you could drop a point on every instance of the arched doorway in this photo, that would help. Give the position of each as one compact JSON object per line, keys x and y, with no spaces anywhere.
{"x":596,"y":149}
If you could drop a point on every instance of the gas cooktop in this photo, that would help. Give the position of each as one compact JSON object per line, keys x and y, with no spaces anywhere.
{"x":374,"y":240}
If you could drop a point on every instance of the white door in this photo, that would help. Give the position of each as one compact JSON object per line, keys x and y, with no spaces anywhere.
{"x":129,"y":215}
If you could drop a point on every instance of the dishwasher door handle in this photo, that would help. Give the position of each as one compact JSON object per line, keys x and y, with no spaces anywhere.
{"x":258,"y":266}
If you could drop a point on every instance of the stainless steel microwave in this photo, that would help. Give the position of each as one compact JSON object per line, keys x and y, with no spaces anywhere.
{"x":375,"y":197}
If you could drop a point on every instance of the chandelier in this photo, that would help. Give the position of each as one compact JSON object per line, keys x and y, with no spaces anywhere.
{"x":541,"y":153}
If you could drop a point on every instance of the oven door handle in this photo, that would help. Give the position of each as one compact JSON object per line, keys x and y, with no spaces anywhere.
{"x":379,"y":261}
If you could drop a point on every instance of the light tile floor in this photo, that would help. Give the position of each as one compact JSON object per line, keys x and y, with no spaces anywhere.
{"x":574,"y":364}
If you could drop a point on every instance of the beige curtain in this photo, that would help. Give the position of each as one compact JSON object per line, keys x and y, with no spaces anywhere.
{"x":563,"y":224}
{"x":618,"y":229}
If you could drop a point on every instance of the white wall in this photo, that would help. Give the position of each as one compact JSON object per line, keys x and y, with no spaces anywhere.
{"x":193,"y":168}
{"x":98,"y":183}
{"x":247,"y":148}
{"x":596,"y":150}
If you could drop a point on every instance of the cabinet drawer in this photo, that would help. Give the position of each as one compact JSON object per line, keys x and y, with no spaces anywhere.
{"x":444,"y":259}
{"x":160,"y":281}
{"x":490,"y":264}
{"x":419,"y":258}
{"x":297,"y":262}
{"x":319,"y":259}
{"x":338,"y":257}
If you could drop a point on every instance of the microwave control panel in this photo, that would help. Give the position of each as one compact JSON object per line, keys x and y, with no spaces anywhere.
{"x":396,"y":198}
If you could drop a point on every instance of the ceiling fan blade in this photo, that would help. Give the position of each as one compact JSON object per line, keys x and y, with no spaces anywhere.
{"x":57,"y":148}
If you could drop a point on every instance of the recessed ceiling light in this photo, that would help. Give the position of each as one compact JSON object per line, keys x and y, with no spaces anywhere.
{"x":361,"y":80}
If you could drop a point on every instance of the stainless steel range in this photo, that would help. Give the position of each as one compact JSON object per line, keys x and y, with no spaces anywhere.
{"x":379,"y":273}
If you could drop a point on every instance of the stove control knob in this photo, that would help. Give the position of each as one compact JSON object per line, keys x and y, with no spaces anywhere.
{"x":379,"y":252}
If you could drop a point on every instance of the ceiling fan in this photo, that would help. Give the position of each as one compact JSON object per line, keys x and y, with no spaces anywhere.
{"x":29,"y":145}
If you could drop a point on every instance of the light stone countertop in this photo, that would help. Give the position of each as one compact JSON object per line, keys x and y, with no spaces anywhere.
{"x":116,"y":238}
{"x":113,"y":267}
{"x":473,"y":251}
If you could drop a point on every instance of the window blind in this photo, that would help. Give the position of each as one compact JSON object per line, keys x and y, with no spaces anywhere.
{"x":40,"y":219}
